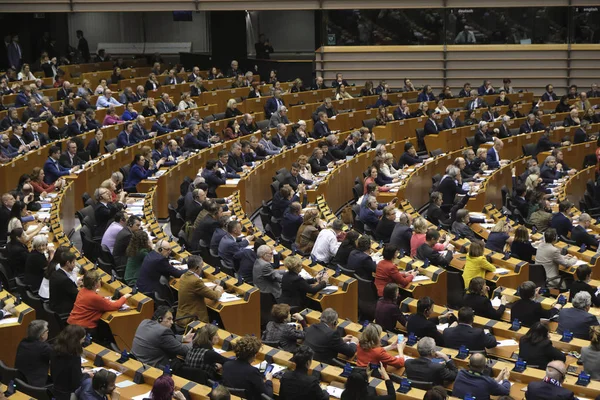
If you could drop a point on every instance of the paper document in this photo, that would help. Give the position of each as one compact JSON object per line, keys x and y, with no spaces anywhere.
{"x":141,"y":396}
{"x":305,"y":275}
{"x":7,"y":321}
{"x":507,"y":342}
{"x":332,"y":288}
{"x":581,"y":262}
{"x":420,"y":278}
{"x":502,"y":271}
{"x":442,"y":327}
{"x":335,"y":391}
{"x":232,"y":181}
{"x":124,"y":384}
{"x":227,"y":297}
{"x":496,"y":302}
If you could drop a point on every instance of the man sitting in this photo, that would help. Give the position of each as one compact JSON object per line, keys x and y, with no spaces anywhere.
{"x":474,"y":382}
{"x":550,"y":388}
{"x":464,"y":334}
{"x":428,"y":368}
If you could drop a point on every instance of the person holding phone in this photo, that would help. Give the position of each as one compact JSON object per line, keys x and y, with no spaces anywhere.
{"x":240,"y":373}
{"x":298,"y":384}
{"x":370,"y":350}
{"x":357,"y":386}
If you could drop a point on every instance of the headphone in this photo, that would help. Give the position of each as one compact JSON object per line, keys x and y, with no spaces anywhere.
{"x":131,"y":221}
{"x":160,"y":313}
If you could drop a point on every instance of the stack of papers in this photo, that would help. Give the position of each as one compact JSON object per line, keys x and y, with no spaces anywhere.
{"x":125,"y":383}
{"x":228,"y":297}
{"x":305,"y":275}
{"x":442,"y":327}
{"x":502,"y":271}
{"x":496,"y":302}
{"x":507,"y":342}
{"x":581,"y":262}
{"x":142,"y":396}
{"x":7,"y":321}
{"x":232,"y":181}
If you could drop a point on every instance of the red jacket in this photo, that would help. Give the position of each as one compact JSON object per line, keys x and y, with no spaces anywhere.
{"x":364,"y":357}
{"x":388,"y":272}
{"x":89,"y":307}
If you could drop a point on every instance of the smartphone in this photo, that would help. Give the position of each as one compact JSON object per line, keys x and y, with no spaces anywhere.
{"x":373,"y":366}
{"x":268,"y":369}
{"x":400,"y":338}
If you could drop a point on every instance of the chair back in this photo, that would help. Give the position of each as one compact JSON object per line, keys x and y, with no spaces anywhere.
{"x":39,"y":393}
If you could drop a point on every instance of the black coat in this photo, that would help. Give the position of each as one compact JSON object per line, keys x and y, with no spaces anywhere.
{"x":34,"y":269}
{"x":241,"y":374}
{"x":528,"y":312}
{"x":294,"y":289}
{"x":546,"y":391}
{"x":435,"y":258}
{"x":401,"y":236}
{"x":104,"y":215}
{"x":425,"y":370}
{"x":580,"y":286}
{"x":299,"y":385}
{"x":66,"y":373}
{"x":63,"y":292}
{"x":33,"y":360}
{"x":17,"y":257}
{"x":384,"y":229}
{"x":421,"y":327}
{"x":362,"y":264}
{"x":327,"y":343}
{"x":539,"y":354}
{"x":482,"y":306}
{"x":472,"y":338}
{"x":449,"y":188}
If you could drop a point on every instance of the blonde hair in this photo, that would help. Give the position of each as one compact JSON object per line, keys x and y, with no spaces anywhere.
{"x":311,"y":217}
{"x":230,"y":103}
{"x":293,"y":263}
{"x":500,"y":226}
{"x":531,"y":182}
{"x":370,"y":337}
{"x":420,"y":225}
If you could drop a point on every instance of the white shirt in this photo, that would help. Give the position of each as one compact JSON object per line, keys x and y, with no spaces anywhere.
{"x":326,"y":246}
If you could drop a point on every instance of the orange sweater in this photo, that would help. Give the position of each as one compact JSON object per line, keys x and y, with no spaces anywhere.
{"x":364,"y":357}
{"x":89,"y":307}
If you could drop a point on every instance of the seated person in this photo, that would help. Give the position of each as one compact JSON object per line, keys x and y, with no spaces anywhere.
{"x":282,"y":330}
{"x":584,"y":276}
{"x":360,"y":260}
{"x":423,"y":324}
{"x":499,"y":236}
{"x":479,"y":385}
{"x":536,"y":348}
{"x":427,"y":367}
{"x":325,"y":340}
{"x":33,"y":354}
{"x":294,"y":288}
{"x":387,"y":272}
{"x":101,"y":384}
{"x":577,"y":319}
{"x":464,"y":334}
{"x":264,"y":277}
{"x":478,"y":300}
{"x":370,"y":350}
{"x":521,"y":246}
{"x":527,"y":310}
{"x":427,"y":251}
{"x":409,"y":157}
{"x":387,"y":312}
{"x":155,"y":265}
{"x":550,"y":388}
{"x":579,"y":233}
{"x":298,"y":384}
{"x":232,"y":243}
{"x":477,"y":264}
{"x":155,"y":343}
{"x":460,"y":227}
{"x":202,"y":355}
{"x":240,"y":373}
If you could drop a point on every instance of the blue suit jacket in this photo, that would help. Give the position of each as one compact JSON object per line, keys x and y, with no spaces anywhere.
{"x":136,"y":175}
{"x":271,"y":106}
{"x":161,"y":129}
{"x":153,"y":267}
{"x":425,"y":97}
{"x":21,"y":100}
{"x":123,"y":141}
{"x":53,"y":170}
{"x":491,"y":160}
{"x":576,"y":321}
{"x":228,"y":247}
{"x":561,"y":223}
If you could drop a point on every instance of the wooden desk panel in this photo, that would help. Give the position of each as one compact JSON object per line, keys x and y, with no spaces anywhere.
{"x":12,"y":334}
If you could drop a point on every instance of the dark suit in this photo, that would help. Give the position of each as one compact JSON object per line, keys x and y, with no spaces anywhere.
{"x":504,"y":132}
{"x":327,"y":343}
{"x":577,"y":321}
{"x":240,"y":374}
{"x":421,"y":327}
{"x":4,"y":218}
{"x":362,"y":264}
{"x":321,"y":130}
{"x":104,"y":214}
{"x":482,"y":306}
{"x":63,"y":292}
{"x":66,"y":161}
{"x":162,"y":107}
{"x":450,"y":124}
{"x":427,"y":252}
{"x":562,"y":224}
{"x":30,"y":137}
{"x":476,"y":103}
{"x":294,"y":181}
{"x":384,"y":229}
{"x":529,"y":311}
{"x":481,"y":138}
{"x":547,"y":391}
{"x":33,"y":360}
{"x":472,"y":338}
{"x":272,"y":105}
{"x":294,"y":289}
{"x":580,"y":286}
{"x":407,"y":159}
{"x":53,"y":170}
{"x":431,"y":127}
{"x":449,"y":188}
{"x":492,"y":159}
{"x":539,"y":354}
{"x":425,"y":370}
{"x":401,"y":236}
{"x":436,"y":215}
{"x":580,"y":236}
{"x":317,"y":165}
{"x":580,"y":136}
{"x":204,"y":231}
{"x":298,"y":385}
{"x":153,"y":267}
{"x":121,"y":243}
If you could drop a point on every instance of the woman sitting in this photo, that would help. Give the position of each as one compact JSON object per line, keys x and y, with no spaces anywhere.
{"x":294,"y":288}
{"x":536,"y":347}
{"x":186,"y":102}
{"x":89,"y":305}
{"x":240,"y":373}
{"x":477,"y":298}
{"x":298,"y":384}
{"x":370,"y":350}
{"x":232,"y":111}
{"x":460,"y":227}
{"x":20,"y":215}
{"x":382,"y":117}
{"x":17,"y":252}
{"x":477,"y":264}
{"x":499,"y":236}
{"x":164,"y":389}
{"x":138,"y":173}
{"x":590,"y":355}
{"x":341,"y":93}
{"x":521,"y":247}
{"x":139,"y":246}
{"x":203,"y":356}
{"x":42,"y":188}
{"x":36,"y":263}
{"x":441,"y":108}
{"x":308,"y":231}
{"x":281,"y":329}
{"x":357,"y":386}
{"x":418,"y":237}
{"x":65,"y":362}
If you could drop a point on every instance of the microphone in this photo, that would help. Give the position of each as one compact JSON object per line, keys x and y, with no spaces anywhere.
{"x":144,"y":366}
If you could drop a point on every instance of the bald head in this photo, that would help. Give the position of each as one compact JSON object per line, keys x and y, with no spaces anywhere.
{"x":477,"y":362}
{"x":556,"y":370}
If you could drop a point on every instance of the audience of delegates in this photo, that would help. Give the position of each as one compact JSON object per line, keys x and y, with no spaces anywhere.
{"x":155,"y":343}
{"x":240,"y":373}
{"x":202,"y":354}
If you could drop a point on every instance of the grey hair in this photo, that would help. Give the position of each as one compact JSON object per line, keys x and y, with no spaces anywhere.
{"x":337,"y":224}
{"x":160,"y":244}
{"x":549,"y":158}
{"x":280,"y":126}
{"x":481,"y":150}
{"x":282,"y":108}
{"x":262,"y":250}
{"x":582,"y":300}
{"x":473,"y":92}
{"x":482,"y":124}
{"x":426,"y":346}
{"x":329,"y":316}
{"x":505,"y":118}
{"x":36,"y":328}
{"x":355,"y":135}
{"x":453,"y":172}
{"x":39,"y":241}
{"x":584,"y":217}
{"x":535,"y":170}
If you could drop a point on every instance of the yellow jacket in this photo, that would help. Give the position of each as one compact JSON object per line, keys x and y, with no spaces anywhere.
{"x":474,"y":267}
